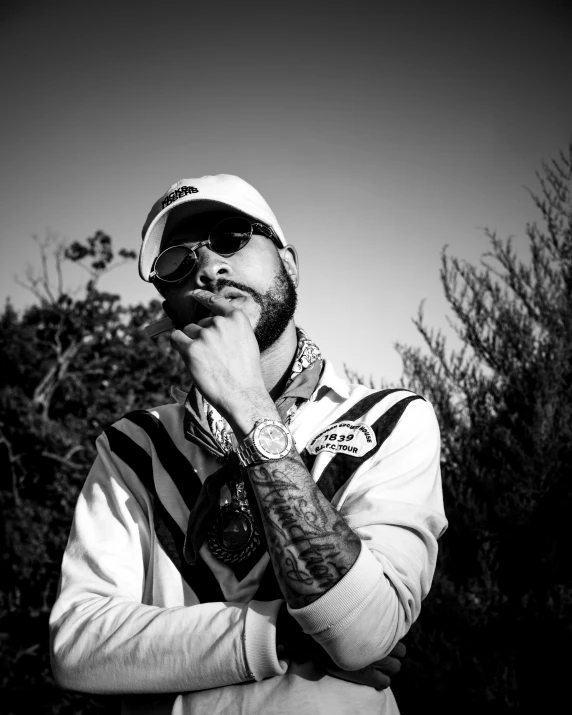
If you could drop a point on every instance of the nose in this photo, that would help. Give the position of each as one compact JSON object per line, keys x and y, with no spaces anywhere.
{"x":210,"y":267}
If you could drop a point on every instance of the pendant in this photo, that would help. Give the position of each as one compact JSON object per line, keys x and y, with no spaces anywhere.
{"x":233,"y":537}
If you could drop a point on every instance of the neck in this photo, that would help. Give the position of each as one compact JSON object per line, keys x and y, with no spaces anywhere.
{"x":276,"y":362}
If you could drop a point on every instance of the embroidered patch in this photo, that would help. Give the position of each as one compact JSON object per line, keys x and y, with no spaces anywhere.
{"x":353,"y":438}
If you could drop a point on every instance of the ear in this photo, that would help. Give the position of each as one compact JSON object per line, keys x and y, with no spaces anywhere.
{"x":289,"y":257}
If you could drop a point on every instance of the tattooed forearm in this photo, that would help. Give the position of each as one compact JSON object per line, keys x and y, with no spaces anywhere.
{"x":310,"y":544}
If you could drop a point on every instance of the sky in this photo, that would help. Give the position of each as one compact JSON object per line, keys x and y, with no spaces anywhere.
{"x":378,"y":134}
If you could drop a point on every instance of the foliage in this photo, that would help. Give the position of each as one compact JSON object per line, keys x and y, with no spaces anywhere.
{"x":502,"y":593}
{"x":71,"y":367}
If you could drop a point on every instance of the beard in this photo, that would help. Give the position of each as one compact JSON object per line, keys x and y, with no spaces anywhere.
{"x":277,"y":306}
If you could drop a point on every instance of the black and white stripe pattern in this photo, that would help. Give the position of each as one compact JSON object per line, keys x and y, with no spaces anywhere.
{"x":178,"y":469}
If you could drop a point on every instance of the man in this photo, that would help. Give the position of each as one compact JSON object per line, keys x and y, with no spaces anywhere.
{"x":261,"y":545}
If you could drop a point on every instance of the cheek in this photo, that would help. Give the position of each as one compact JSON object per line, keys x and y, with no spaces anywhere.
{"x":170,"y":297}
{"x":259,"y":265}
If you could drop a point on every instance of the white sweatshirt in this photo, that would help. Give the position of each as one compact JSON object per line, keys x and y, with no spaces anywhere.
{"x":127,"y":619}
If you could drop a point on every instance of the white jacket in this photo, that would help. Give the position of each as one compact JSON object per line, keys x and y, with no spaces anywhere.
{"x":131,"y":616}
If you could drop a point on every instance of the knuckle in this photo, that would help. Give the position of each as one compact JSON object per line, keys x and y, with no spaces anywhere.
{"x":384,"y":682}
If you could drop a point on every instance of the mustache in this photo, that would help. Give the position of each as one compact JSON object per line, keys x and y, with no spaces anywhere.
{"x":202,"y":311}
{"x":221,"y":283}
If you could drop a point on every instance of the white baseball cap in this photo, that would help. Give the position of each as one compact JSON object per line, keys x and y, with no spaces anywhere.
{"x":196,"y":196}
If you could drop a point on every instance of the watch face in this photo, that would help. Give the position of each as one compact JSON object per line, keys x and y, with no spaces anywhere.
{"x":273,"y":439}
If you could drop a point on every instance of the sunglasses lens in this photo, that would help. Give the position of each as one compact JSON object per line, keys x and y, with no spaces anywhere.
{"x":230,"y":235}
{"x":175,"y":263}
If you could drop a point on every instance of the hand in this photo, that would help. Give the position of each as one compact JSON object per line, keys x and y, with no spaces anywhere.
{"x":221,"y":354}
{"x":377,"y":675}
{"x":294,"y":644}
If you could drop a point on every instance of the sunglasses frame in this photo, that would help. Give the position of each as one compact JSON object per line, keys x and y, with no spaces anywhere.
{"x":263,"y":229}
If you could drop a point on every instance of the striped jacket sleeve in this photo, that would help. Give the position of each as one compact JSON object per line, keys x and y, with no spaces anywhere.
{"x":394,"y":503}
{"x":107,"y":637}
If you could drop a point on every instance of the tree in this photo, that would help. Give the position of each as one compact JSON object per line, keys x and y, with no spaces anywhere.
{"x":71,"y":366}
{"x":69,"y":324}
{"x":501,"y":598}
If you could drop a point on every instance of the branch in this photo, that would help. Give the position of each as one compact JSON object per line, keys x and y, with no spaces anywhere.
{"x":31,"y":285}
{"x":73,"y":450}
{"x":12,"y":459}
{"x":45,"y":271}
{"x":58,"y":253}
{"x":40,"y":286}
{"x":63,"y":460}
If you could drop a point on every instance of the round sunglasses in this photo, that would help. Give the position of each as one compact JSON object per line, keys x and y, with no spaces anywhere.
{"x":226,"y":238}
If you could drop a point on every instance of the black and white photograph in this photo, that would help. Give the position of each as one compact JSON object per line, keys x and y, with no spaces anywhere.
{"x":286,"y":348}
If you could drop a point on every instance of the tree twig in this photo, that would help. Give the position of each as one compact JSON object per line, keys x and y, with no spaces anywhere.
{"x":12,"y":459}
{"x":63,"y":460}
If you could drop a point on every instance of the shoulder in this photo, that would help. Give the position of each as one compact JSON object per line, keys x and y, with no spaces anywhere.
{"x":144,"y":427}
{"x":170,"y":416}
{"x":383,"y":409}
{"x":148,"y":446}
{"x":390,"y":403}
{"x":367,"y":403}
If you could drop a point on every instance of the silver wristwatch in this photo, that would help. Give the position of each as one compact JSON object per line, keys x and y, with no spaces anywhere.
{"x":269,"y":440}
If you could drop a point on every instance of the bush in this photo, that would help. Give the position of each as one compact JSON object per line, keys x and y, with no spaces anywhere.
{"x":500,"y":602}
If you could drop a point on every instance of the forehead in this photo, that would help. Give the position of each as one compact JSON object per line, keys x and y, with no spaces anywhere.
{"x":194,"y":228}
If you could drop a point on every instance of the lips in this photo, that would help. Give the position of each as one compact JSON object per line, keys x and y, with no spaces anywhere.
{"x":202,"y":311}
{"x":231,"y":293}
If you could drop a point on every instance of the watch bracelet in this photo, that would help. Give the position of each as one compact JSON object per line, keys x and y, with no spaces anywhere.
{"x":247,"y":453}
{"x":250,"y":452}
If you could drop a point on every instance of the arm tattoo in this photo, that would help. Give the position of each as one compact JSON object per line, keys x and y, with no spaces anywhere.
{"x":310,"y":544}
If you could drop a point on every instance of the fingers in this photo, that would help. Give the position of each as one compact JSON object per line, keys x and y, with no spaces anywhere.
{"x":192,"y":330}
{"x":399,"y":650}
{"x":369,"y":676}
{"x":377,"y":675}
{"x":388,"y":665}
{"x":378,"y":680}
{"x":179,"y":341}
{"x":216,"y":303}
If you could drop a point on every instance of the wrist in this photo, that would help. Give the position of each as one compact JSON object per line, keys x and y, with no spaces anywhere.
{"x":243,"y":414}
{"x":268,"y":441}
